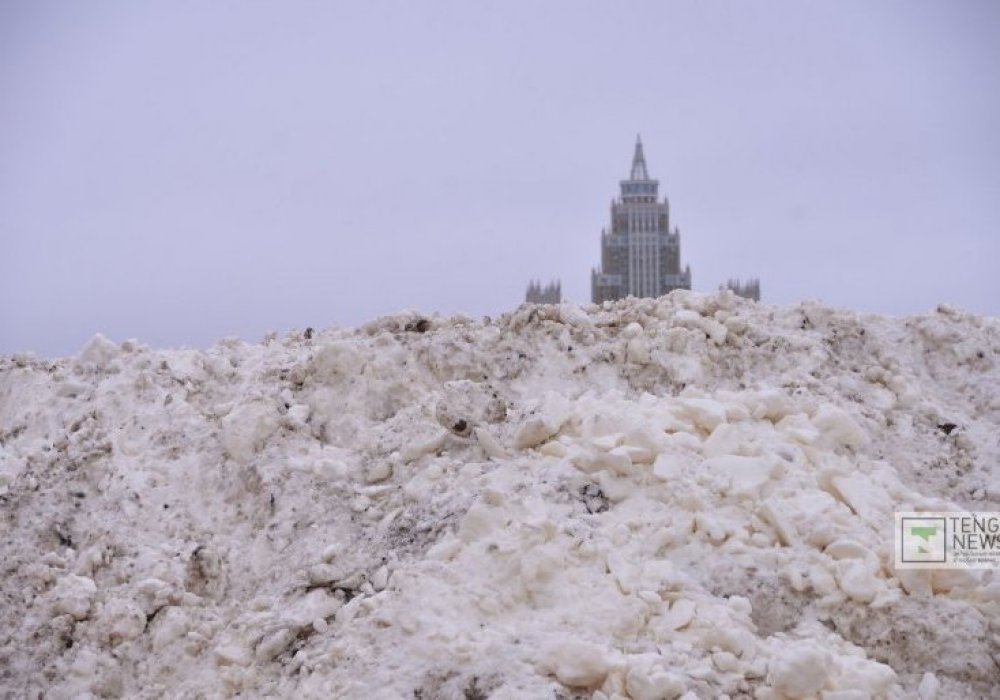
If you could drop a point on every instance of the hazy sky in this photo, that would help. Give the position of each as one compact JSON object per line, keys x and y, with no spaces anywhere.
{"x":182,"y":171}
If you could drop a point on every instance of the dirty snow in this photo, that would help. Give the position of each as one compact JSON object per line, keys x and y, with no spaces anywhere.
{"x":688,"y":497}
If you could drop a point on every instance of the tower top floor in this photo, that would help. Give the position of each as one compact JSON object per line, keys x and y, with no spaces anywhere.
{"x":639,"y":187}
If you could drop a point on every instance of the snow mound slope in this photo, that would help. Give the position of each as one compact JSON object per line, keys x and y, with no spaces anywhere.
{"x":685,"y":497}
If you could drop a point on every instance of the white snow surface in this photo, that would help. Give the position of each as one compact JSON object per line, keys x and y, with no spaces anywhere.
{"x":685,"y":497}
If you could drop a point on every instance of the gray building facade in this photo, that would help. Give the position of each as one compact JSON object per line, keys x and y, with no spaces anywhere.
{"x":640,"y":254}
{"x":549,"y":294}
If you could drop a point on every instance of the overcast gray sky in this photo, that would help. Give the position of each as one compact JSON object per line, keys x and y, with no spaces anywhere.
{"x":182,"y":171}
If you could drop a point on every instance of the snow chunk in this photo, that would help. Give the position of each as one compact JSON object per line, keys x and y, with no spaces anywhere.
{"x":801,"y":670}
{"x":869,"y":677}
{"x":706,"y":414}
{"x":480,"y":521}
{"x":575,"y":663}
{"x":838,"y":427}
{"x":929,"y":687}
{"x":862,"y":495}
{"x":73,"y":596}
{"x":637,"y":351}
{"x":491,"y":446}
{"x":337,"y":359}
{"x":715,"y":331}
{"x":317,"y":604}
{"x":123,"y":619}
{"x":798,"y":427}
{"x":646,"y":679}
{"x":573,"y":315}
{"x":746,"y":474}
{"x":246,"y":428}
{"x":770,"y":404}
{"x":232,"y":654}
{"x":544,"y":422}
{"x":680,"y":615}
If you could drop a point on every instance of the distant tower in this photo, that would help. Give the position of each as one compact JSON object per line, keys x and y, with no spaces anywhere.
{"x":640,"y":256}
{"x":550,"y":294}
{"x":749,"y":289}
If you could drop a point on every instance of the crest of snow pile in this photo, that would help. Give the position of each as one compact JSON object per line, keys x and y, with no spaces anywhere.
{"x":97,"y":354}
{"x":685,"y":497}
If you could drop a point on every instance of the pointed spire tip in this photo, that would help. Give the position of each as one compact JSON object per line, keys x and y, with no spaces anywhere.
{"x":639,"y":161}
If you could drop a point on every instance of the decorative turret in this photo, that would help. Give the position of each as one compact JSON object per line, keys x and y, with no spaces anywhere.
{"x":549,"y":294}
{"x":749,"y":289}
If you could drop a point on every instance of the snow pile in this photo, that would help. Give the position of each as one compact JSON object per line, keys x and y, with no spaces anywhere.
{"x":688,"y":497}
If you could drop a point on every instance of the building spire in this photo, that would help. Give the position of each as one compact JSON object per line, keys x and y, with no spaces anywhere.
{"x":639,"y":161}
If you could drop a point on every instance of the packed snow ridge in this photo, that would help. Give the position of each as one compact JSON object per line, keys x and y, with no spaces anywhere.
{"x":685,"y":497}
